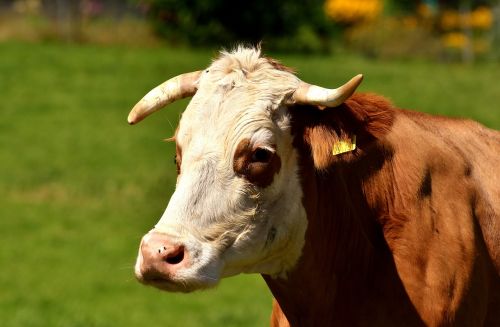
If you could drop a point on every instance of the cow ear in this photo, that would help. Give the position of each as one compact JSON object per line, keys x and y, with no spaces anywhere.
{"x":328,"y":144}
{"x":344,"y":132}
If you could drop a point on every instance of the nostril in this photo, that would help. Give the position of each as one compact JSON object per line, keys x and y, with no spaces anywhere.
{"x":175,"y":256}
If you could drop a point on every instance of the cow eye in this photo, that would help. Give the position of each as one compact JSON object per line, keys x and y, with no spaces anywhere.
{"x":261,"y":155}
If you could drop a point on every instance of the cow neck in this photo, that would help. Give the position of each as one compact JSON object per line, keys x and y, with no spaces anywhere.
{"x":343,"y":244}
{"x":342,"y":268}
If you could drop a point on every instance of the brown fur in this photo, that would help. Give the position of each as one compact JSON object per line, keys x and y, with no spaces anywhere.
{"x":403,"y":231}
{"x":278,"y":318}
{"x":367,"y":117}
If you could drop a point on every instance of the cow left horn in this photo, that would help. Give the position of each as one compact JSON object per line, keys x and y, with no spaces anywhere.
{"x":176,"y":88}
{"x":316,"y":95}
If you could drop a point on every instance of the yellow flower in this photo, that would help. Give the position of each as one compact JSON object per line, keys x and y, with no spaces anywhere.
{"x":350,"y":11}
{"x":481,"y":18}
{"x":454,"y":40}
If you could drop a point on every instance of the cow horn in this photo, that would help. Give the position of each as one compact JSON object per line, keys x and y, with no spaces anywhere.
{"x":316,"y":95}
{"x":176,"y":88}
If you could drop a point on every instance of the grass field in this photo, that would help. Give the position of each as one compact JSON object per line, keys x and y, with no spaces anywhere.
{"x":79,"y":187}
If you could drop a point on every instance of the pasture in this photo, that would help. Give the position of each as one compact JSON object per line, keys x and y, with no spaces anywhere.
{"x":79,"y":187}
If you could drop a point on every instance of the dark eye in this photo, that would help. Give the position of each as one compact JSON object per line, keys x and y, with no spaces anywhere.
{"x":261,"y":155}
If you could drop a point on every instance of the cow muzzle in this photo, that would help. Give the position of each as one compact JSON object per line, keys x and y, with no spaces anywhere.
{"x":176,"y":264}
{"x":160,"y":259}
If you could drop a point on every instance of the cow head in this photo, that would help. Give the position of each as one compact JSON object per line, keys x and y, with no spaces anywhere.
{"x":237,"y":204}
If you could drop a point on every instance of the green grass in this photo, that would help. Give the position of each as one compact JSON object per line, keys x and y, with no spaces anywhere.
{"x":79,"y":187}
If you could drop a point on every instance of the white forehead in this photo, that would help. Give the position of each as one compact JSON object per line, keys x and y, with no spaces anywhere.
{"x":236,"y":97}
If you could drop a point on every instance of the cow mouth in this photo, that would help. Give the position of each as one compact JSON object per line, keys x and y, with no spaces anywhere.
{"x":181,"y":286}
{"x":165,"y":284}
{"x":178,"y":287}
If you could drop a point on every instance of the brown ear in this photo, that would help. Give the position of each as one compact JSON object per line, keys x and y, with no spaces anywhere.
{"x":366,"y":117}
{"x":321,"y":140}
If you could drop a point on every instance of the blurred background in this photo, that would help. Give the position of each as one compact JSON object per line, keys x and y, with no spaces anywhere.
{"x":79,"y":187}
{"x":447,"y":30}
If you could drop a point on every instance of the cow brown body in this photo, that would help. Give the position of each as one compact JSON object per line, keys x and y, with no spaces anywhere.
{"x":404,"y":231}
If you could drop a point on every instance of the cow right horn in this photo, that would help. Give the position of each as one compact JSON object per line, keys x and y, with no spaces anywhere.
{"x":176,"y":88}
{"x":317,"y":95}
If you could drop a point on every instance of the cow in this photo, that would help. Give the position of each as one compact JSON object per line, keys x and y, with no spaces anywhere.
{"x":355,"y":212}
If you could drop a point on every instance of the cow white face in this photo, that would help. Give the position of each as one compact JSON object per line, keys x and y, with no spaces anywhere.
{"x":237,"y":204}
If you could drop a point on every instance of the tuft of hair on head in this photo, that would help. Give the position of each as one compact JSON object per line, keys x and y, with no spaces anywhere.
{"x":249,"y":58}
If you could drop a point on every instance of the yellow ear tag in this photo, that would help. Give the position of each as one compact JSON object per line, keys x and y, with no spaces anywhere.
{"x":344,"y":146}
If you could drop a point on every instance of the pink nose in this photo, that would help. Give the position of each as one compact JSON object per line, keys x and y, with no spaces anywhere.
{"x":160,"y":257}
